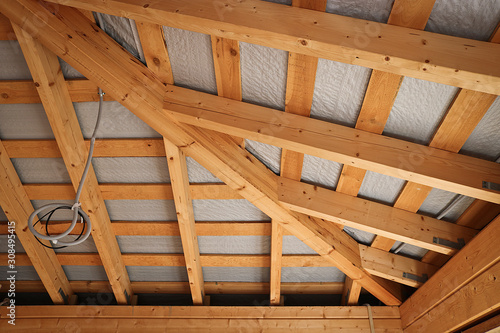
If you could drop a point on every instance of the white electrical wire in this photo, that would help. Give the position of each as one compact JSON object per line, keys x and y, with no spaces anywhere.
{"x":76,"y":208}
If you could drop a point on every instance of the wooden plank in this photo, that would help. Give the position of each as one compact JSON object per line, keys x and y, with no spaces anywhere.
{"x":226,"y":54}
{"x":479,"y":214}
{"x":17,"y":207}
{"x":155,"y":50}
{"x":276,"y":263}
{"x":309,"y":288}
{"x":477,"y":299}
{"x":370,"y":216}
{"x":102,"y":148}
{"x":395,"y":267}
{"x":6,"y":31}
{"x":429,"y":56}
{"x":46,"y":71}
{"x":101,"y":59}
{"x":177,"y":168}
{"x":350,"y":294}
{"x":200,"y":312}
{"x":486,"y":326}
{"x":389,"y":156}
{"x":411,"y":14}
{"x":476,"y":257}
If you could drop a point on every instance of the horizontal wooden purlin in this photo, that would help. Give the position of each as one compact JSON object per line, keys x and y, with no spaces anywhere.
{"x":393,"y":157}
{"x":207,"y":260}
{"x":380,"y":219}
{"x":24,"y":91}
{"x":169,"y":228}
{"x":102,"y":148}
{"x":199,"y":312}
{"x":428,"y":56}
{"x":131,"y":191}
{"x":307,"y":288}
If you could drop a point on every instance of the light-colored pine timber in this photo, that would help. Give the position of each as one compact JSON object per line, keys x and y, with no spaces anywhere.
{"x":351,"y":292}
{"x":276,"y":262}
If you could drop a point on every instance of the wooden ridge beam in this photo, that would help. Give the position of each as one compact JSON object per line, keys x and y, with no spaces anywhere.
{"x":429,"y":56}
{"x":132,"y":191}
{"x":415,"y":229}
{"x":46,"y":71}
{"x":393,"y":157}
{"x":99,"y":58}
{"x":475,"y":258}
{"x":17,"y":207}
{"x":308,"y":288}
{"x":177,"y":169}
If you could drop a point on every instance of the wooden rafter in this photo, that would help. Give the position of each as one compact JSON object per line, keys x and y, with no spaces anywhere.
{"x":46,"y":71}
{"x":219,"y":155}
{"x":415,"y":229}
{"x":17,"y":206}
{"x":470,"y":264}
{"x":185,"y":215}
{"x":393,"y":157}
{"x":429,"y":56}
{"x":301,"y":75}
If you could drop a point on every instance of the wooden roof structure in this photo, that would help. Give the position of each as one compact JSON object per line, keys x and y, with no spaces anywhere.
{"x":455,"y":284}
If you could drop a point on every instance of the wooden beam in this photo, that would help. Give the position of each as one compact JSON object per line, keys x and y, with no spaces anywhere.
{"x":46,"y":71}
{"x":350,"y":293}
{"x":478,"y":298}
{"x":307,"y":288}
{"x":101,"y":59}
{"x":215,"y":312}
{"x":485,"y":326}
{"x":17,"y":206}
{"x":389,"y":156}
{"x":226,"y":54}
{"x":185,"y":216}
{"x":131,"y":191}
{"x":462,"y":116}
{"x":429,"y":56}
{"x":370,"y":216}
{"x":155,"y":50}
{"x":475,"y":258}
{"x":6,"y":31}
{"x":395,"y":267}
{"x":276,"y":263}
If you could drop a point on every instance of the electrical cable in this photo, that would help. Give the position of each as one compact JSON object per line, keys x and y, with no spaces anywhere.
{"x":76,"y":207}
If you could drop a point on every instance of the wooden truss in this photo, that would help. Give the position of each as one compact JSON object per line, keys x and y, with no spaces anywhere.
{"x":211,"y":129}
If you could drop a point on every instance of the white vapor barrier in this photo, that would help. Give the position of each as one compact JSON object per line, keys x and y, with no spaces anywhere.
{"x":121,"y":30}
{"x":24,"y":273}
{"x":267,"y":154}
{"x":438,"y":199}
{"x":379,"y":187}
{"x":319,"y":171}
{"x":3,"y":217}
{"x":372,"y":10}
{"x":339,"y":91}
{"x":198,"y":174}
{"x":475,"y":19}
{"x":293,"y":245}
{"x":234,"y":244}
{"x":419,"y":107}
{"x":116,"y":121}
{"x":24,"y":121}
{"x":157,"y":273}
{"x":14,"y":66}
{"x":484,"y":142}
{"x":150,"y":244}
{"x":85,"y":273}
{"x":412,"y":251}
{"x":236,"y":274}
{"x":191,"y":59}
{"x":263,"y":75}
{"x":131,"y":169}
{"x":41,"y":170}
{"x":311,"y":274}
{"x":68,"y":71}
{"x":360,"y":236}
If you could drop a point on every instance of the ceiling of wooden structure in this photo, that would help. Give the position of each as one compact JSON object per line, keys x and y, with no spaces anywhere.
{"x":236,"y":240}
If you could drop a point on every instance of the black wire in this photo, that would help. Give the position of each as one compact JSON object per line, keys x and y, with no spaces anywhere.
{"x":50,"y":213}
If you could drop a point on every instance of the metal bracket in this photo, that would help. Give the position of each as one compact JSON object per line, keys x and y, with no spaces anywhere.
{"x":491,"y":186}
{"x":454,"y":245}
{"x":64,"y":296}
{"x":417,"y":278}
